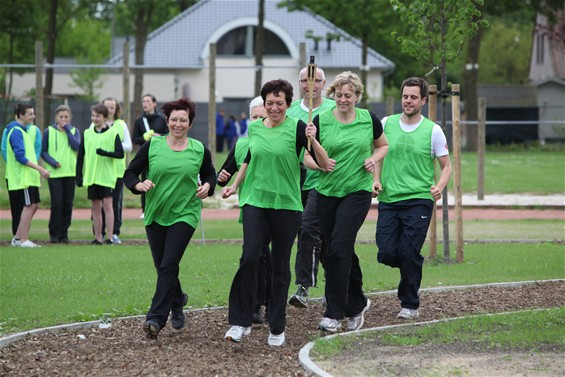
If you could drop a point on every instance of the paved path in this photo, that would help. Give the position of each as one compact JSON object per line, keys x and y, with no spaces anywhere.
{"x":502,"y":207}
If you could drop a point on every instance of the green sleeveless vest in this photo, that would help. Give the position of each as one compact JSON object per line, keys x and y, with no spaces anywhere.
{"x":21,"y":176}
{"x":60,"y":149}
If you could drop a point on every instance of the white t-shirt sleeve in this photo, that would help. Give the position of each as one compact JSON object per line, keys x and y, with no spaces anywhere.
{"x":439,"y":142}
{"x":126,"y":143}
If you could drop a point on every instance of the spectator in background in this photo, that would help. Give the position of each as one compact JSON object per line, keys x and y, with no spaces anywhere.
{"x":17,"y":206}
{"x":114,"y":121}
{"x":23,"y":173}
{"x":96,"y":170}
{"x":243,"y":121}
{"x":150,"y":123}
{"x":59,"y":150}
{"x":220,"y":131}
{"x":231,"y":131}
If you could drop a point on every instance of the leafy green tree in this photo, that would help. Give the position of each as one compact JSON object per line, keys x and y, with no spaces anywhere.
{"x":372,"y":25}
{"x":139,"y":18}
{"x":19,"y":20}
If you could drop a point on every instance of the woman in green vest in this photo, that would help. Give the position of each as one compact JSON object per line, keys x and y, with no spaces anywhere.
{"x":272,"y":208}
{"x":354,"y":138}
{"x":59,"y":150}
{"x":180,"y":174}
{"x":114,"y":121}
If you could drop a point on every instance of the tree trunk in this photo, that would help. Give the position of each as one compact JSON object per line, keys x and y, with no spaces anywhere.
{"x":364,"y":71}
{"x":259,"y":48}
{"x":470,"y":80}
{"x":142,"y":20}
{"x":51,"y":41}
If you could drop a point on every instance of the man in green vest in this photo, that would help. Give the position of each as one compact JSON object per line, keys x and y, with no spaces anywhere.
{"x":309,"y":240}
{"x":407,"y":190}
{"x":23,"y":172}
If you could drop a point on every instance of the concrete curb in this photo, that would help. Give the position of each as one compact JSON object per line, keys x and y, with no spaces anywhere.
{"x":310,"y":366}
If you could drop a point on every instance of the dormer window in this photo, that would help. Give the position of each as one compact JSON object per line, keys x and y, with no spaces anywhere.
{"x":241,"y":40}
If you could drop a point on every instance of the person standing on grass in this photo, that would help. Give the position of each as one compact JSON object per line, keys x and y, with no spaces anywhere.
{"x":17,"y":206}
{"x":150,"y":124}
{"x":407,"y":191}
{"x":309,"y":239}
{"x":180,"y":174}
{"x":23,"y":173}
{"x":114,"y":120}
{"x":96,"y":170}
{"x":233,"y":162}
{"x":354,"y":139}
{"x":60,"y":145}
{"x":271,"y":209}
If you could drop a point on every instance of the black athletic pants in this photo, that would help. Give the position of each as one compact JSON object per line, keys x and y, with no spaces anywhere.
{"x":167,"y":244}
{"x":340,"y":220}
{"x":62,"y":191}
{"x":17,"y":204}
{"x":401,"y":232}
{"x":310,"y":246}
{"x":261,"y":226}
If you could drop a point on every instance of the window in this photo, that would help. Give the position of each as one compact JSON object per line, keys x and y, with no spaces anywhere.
{"x":540,"y":40}
{"x":241,"y":40}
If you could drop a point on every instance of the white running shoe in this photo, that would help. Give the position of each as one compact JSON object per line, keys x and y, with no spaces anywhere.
{"x":15,"y":242}
{"x":28,"y":243}
{"x":329,"y":324}
{"x":356,"y":322}
{"x":406,"y":313}
{"x":276,"y":340}
{"x":236,"y":333}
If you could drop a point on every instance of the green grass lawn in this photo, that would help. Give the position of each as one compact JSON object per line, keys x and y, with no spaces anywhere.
{"x":506,"y":172}
{"x":62,"y":284}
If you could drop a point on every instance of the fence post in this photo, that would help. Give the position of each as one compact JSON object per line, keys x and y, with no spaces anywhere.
{"x":125,"y":77}
{"x":39,"y":96}
{"x":432,"y":109}
{"x":389,"y":105}
{"x":481,"y":147}
{"x":456,"y":111}
{"x":212,"y":102}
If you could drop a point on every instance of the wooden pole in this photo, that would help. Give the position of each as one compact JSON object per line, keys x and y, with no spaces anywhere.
{"x":39,"y":96}
{"x":125,"y":77}
{"x":432,"y":232}
{"x":456,"y":111}
{"x":481,"y":147}
{"x":212,"y":102}
{"x":311,"y":80}
{"x":302,"y":57}
{"x":389,"y":105}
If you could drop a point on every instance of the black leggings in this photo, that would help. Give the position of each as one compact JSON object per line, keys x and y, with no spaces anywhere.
{"x":167,"y":244}
{"x":261,"y":225}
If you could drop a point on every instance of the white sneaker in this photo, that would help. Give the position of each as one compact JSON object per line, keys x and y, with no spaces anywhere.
{"x":406,"y":313}
{"x":142,"y":215}
{"x":276,"y":340}
{"x":356,"y":322}
{"x":329,"y":324}
{"x":15,"y":242}
{"x":116,"y":240}
{"x":28,"y":243}
{"x":236,"y":333}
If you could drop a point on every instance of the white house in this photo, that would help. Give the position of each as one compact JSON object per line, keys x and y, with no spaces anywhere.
{"x":547,"y":74}
{"x":177,"y":53}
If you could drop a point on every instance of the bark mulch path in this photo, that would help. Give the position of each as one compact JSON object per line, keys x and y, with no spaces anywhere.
{"x":200,"y":350}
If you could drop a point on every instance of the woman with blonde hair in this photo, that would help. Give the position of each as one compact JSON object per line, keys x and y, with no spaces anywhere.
{"x":355,"y":141}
